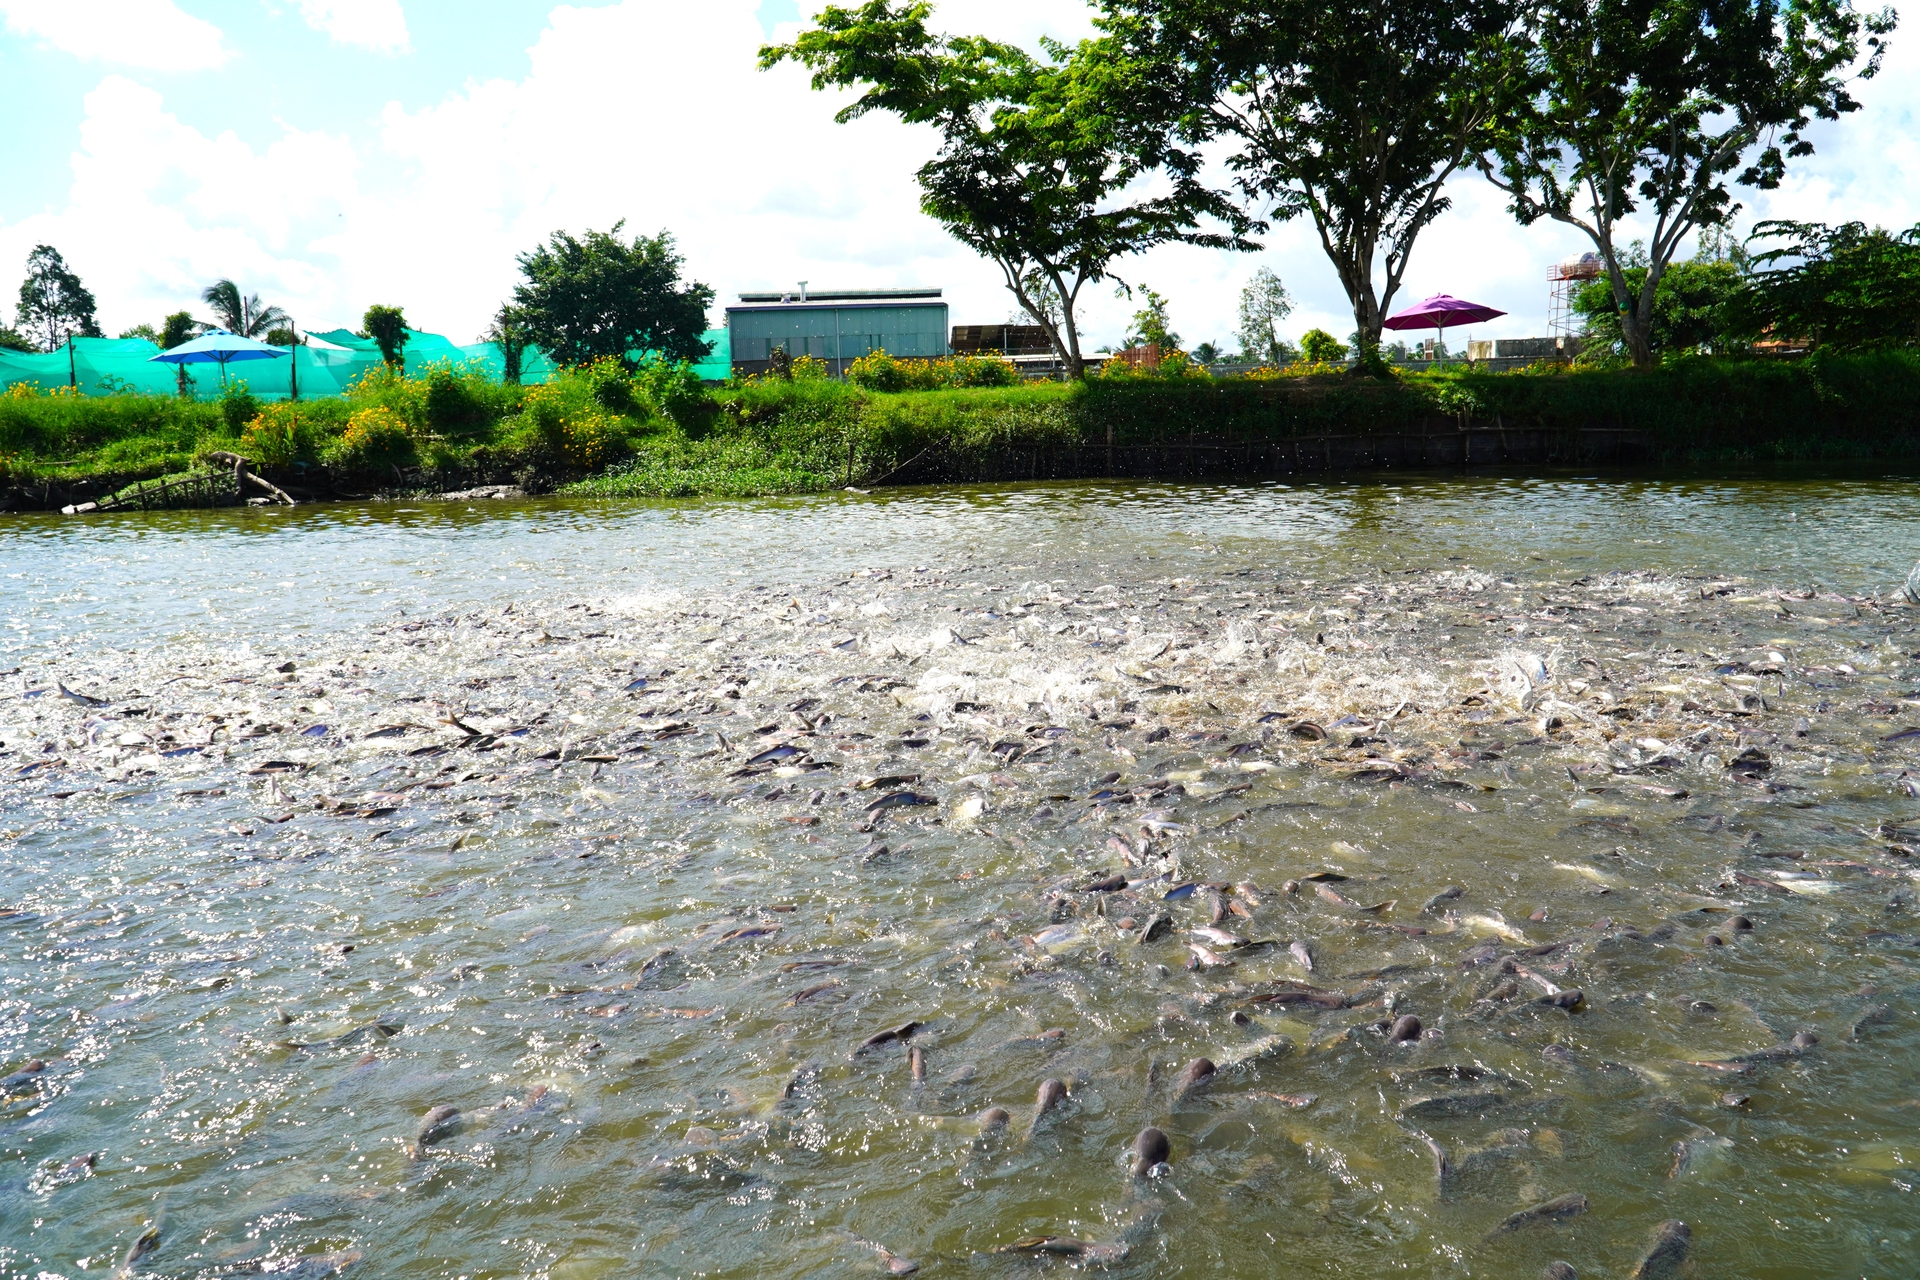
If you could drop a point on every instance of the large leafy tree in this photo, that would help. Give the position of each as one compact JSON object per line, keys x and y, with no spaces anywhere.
{"x":54,"y":305}
{"x":598,"y":295}
{"x":1053,"y":168}
{"x":240,"y":313}
{"x":1651,"y":108}
{"x":1353,"y":113}
{"x":1690,"y":305}
{"x":1845,"y":288}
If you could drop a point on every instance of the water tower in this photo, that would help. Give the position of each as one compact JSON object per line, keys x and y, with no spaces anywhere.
{"x":1564,"y":279}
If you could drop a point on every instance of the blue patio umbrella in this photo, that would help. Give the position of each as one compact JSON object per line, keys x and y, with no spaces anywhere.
{"x":221,"y":348}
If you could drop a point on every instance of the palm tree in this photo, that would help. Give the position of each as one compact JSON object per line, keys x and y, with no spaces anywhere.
{"x":239,"y":314}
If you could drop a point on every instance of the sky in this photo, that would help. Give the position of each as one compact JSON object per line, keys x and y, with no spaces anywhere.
{"x":331,"y":154}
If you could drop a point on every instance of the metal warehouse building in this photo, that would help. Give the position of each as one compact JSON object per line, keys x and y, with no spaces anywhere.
{"x":837,"y":327}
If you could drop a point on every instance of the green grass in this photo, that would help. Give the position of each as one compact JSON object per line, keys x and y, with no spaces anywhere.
{"x":594,"y":432}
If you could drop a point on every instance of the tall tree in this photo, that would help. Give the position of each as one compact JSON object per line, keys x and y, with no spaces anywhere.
{"x":240,"y":313}
{"x":54,"y":305}
{"x":1152,"y":325}
{"x":1844,"y":288}
{"x":597,"y":295}
{"x":1649,"y":107}
{"x":1041,"y":163}
{"x":1263,"y":305}
{"x":509,"y":332}
{"x":1351,"y":112}
{"x":177,"y":328}
{"x":388,"y":327}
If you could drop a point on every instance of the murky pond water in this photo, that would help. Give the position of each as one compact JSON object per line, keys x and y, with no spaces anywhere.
{"x":720,"y":864}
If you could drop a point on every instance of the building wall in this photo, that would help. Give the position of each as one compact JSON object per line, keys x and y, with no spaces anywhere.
{"x":836,"y":334}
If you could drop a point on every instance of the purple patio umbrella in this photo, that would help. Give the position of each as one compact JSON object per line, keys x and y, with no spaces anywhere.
{"x":1438,"y":312}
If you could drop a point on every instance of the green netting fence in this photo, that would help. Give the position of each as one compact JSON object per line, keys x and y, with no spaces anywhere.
{"x":109,"y":366}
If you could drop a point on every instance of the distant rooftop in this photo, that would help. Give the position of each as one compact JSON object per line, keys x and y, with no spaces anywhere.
{"x":842,"y":295}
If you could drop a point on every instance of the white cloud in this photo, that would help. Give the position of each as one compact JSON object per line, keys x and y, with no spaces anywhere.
{"x":153,"y":34}
{"x":370,"y":24}
{"x":159,"y":210}
{"x":653,"y":111}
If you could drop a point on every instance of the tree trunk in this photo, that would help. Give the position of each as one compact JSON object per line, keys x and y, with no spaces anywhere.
{"x":1366,"y":327}
{"x":1635,"y":335}
{"x":1075,"y":366}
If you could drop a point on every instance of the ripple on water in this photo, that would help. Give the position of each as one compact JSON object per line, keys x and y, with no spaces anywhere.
{"x":525,"y":869}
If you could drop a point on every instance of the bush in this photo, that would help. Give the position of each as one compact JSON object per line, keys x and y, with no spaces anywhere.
{"x":675,"y":392}
{"x":608,"y":384}
{"x":811,"y":369}
{"x":1317,"y":346}
{"x":238,"y":406}
{"x":278,"y":437}
{"x":449,"y":400}
{"x":881,"y":371}
{"x":376,"y":439}
{"x":588,"y":441}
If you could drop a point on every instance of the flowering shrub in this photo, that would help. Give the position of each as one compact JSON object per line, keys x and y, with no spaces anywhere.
{"x":590,"y":440}
{"x":277,"y":437}
{"x":811,"y":369}
{"x":22,"y":391}
{"x":1173,"y":364}
{"x":608,"y":384}
{"x":881,"y":371}
{"x":376,"y":438}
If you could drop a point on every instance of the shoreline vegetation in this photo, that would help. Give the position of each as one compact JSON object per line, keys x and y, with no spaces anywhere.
{"x":600,"y":430}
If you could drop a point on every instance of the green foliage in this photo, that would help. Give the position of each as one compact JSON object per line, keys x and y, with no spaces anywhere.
{"x":1151,"y":326}
{"x":881,"y":371}
{"x":1352,"y":112}
{"x":674,"y":391}
{"x":608,"y":384}
{"x":12,"y":339}
{"x":178,"y":328}
{"x":1843,"y":288}
{"x":454,"y":398}
{"x":1690,"y":308}
{"x":280,"y":436}
{"x":376,"y":440}
{"x":598,"y":297}
{"x":1263,"y":305}
{"x":240,"y":313}
{"x":775,"y":436}
{"x":238,"y":406}
{"x":388,"y":327}
{"x":142,"y":330}
{"x":1654,"y":106}
{"x":54,"y":305}
{"x":1041,"y":163}
{"x":509,"y":332}
{"x":1317,"y":346}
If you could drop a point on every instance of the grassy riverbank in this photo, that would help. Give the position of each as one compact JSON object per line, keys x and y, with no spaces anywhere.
{"x":601,"y":432}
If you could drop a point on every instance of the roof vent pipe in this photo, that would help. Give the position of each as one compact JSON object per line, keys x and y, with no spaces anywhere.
{"x":803,"y":291}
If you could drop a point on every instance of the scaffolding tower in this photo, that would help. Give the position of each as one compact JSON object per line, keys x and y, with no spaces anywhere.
{"x":1564,"y":279}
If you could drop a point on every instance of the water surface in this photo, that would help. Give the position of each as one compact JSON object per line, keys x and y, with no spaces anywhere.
{"x":501,"y":837}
